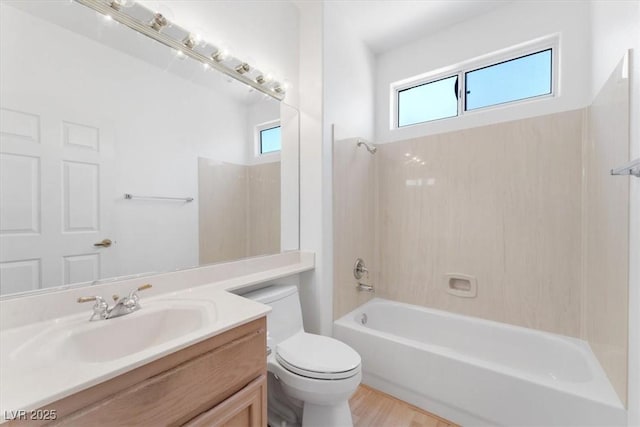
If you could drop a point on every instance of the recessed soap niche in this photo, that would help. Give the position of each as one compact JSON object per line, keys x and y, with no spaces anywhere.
{"x":461,"y":285}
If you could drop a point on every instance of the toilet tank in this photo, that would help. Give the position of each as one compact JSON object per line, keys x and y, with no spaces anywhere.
{"x":285,"y":318}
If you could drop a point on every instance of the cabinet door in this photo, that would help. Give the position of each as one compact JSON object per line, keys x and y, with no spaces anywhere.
{"x":246,"y":408}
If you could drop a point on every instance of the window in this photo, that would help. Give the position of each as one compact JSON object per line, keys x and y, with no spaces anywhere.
{"x":513,"y":80}
{"x":270,"y":140}
{"x":508,"y":76}
{"x":428,"y":101}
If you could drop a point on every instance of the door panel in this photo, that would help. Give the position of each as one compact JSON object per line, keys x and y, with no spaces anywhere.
{"x":81,"y":210}
{"x":81,"y":268}
{"x":19,"y":194}
{"x":19,"y":125}
{"x":19,"y":276}
{"x":82,"y":136}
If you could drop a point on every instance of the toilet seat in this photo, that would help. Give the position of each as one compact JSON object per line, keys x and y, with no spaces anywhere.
{"x":318,"y":357}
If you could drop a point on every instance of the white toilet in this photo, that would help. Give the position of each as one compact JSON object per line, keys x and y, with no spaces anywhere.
{"x":311,"y":377}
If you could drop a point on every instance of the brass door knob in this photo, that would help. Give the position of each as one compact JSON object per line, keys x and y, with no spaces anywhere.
{"x":104,"y":244}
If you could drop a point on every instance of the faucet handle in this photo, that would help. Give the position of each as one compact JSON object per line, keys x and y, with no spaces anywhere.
{"x":134,"y":294}
{"x":100,"y":308}
{"x":88,"y":299}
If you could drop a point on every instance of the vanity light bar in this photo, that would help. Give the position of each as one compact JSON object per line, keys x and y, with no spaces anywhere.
{"x":153,"y":30}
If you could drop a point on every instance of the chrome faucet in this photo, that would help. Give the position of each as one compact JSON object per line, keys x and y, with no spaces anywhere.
{"x":359,"y":269}
{"x":122,"y":306}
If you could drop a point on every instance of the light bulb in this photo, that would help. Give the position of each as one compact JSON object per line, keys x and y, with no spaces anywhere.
{"x":189,"y":41}
{"x":220,"y":54}
{"x":243,"y":68}
{"x":159,"y":21}
{"x":117,"y":4}
{"x":162,"y":17}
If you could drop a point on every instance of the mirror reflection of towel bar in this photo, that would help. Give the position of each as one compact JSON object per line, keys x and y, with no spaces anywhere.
{"x":631,"y":168}
{"x":183,"y":199}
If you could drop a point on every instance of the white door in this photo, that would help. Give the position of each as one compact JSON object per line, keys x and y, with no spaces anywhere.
{"x":55,"y":195}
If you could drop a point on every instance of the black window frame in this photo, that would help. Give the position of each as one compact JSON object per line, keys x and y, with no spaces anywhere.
{"x":551,"y":77}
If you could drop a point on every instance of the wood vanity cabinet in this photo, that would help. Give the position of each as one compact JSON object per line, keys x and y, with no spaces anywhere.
{"x":218,"y":382}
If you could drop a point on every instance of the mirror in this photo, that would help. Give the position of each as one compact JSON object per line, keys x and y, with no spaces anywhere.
{"x":120,"y":158}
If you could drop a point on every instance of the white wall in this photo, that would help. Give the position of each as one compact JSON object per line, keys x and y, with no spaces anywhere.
{"x":615,"y":27}
{"x":509,"y":25}
{"x":349,"y":70}
{"x":315,"y":286}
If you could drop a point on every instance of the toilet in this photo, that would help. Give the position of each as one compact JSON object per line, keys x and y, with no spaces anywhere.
{"x":311,"y":377}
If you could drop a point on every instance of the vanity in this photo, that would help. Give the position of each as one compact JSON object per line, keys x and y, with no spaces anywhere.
{"x":219,"y":381}
{"x":191,"y":355}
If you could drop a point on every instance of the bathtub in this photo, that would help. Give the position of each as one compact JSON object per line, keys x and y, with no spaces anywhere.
{"x":478,"y":372}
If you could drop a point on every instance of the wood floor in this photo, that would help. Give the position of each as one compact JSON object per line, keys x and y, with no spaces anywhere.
{"x":372,"y":408}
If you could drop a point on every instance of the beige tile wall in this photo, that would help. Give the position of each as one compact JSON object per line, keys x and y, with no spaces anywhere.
{"x":239,"y":210}
{"x":606,"y":225}
{"x":354,"y":190}
{"x":222,"y":213}
{"x":501,"y":203}
{"x":263,"y":228}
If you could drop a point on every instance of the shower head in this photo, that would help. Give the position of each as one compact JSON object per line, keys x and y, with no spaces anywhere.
{"x":370,"y":148}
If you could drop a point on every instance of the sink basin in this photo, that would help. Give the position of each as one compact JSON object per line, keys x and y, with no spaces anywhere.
{"x":115,"y":338}
{"x":156,"y":323}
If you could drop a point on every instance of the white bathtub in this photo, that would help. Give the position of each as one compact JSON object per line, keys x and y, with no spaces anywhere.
{"x":479,"y":372}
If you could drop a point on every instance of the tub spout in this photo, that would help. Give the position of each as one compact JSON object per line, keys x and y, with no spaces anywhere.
{"x":365,"y":288}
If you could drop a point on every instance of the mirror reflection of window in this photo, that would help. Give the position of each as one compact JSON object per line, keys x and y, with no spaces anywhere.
{"x":270,"y":140}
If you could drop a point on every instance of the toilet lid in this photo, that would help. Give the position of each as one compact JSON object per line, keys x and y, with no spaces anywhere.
{"x":316,"y":356}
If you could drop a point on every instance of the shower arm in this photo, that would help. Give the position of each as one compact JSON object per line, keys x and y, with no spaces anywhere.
{"x":370,"y":148}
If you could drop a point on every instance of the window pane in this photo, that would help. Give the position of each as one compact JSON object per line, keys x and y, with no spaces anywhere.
{"x":270,"y":140}
{"x":519,"y":78}
{"x":430,"y":101}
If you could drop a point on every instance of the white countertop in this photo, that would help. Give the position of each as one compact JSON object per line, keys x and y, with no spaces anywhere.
{"x":31,"y":377}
